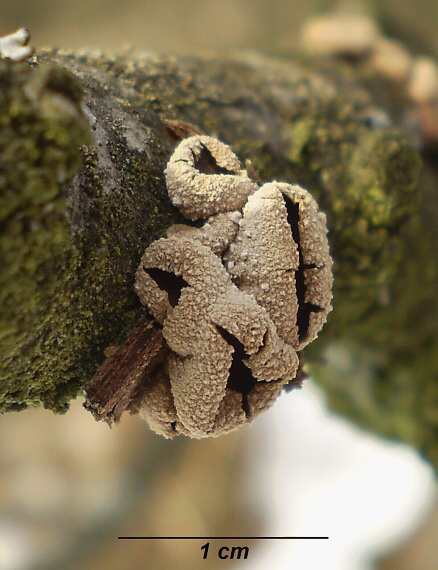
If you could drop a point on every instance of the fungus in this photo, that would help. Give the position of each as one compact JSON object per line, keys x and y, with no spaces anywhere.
{"x":158,"y":408}
{"x":281,"y":256}
{"x":236,"y":298}
{"x":214,"y":332}
{"x":14,"y":46}
{"x":217,"y":233}
{"x":204,"y":177}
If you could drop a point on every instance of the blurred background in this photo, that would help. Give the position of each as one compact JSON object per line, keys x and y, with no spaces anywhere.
{"x":69,"y":486}
{"x":192,"y":25}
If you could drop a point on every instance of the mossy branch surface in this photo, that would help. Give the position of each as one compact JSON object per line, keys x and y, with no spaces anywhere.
{"x":73,"y":232}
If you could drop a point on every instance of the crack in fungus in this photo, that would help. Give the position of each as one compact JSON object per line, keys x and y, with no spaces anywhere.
{"x":240,"y":377}
{"x":304,"y":307}
{"x":206,"y":163}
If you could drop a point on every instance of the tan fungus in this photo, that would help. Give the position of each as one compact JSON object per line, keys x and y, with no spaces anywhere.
{"x":236,"y":297}
{"x":204,"y":177}
{"x":217,"y":233}
{"x":211,"y":313}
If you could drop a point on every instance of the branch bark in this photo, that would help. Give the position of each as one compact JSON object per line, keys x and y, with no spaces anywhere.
{"x":72,"y":237}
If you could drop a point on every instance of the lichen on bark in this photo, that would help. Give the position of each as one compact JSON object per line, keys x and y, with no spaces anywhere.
{"x":70,"y":248}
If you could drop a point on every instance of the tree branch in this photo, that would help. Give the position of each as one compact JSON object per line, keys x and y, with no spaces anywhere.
{"x":70,"y":246}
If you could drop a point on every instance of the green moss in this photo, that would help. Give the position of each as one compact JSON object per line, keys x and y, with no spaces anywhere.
{"x":40,"y":133}
{"x":68,"y":250}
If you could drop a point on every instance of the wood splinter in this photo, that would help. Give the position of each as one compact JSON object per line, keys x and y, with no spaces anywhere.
{"x":120,"y":381}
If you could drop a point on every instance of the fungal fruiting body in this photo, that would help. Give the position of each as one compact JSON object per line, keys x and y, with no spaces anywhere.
{"x":204,"y":177}
{"x":236,"y":298}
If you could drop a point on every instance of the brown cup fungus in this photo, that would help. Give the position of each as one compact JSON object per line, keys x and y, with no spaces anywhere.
{"x":236,"y":298}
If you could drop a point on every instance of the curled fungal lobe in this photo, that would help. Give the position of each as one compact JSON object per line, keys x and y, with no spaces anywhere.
{"x":204,"y":177}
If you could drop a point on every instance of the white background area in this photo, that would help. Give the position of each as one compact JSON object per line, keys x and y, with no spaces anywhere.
{"x":314,"y":474}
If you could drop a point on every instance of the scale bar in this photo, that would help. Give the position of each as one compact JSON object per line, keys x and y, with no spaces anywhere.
{"x":222,"y":537}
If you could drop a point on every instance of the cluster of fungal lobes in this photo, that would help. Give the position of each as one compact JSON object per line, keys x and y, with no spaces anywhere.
{"x":238,"y":294}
